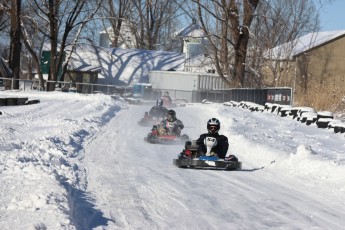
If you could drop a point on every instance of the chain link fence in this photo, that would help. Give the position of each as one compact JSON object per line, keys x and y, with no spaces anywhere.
{"x":260,"y":96}
{"x":72,"y":87}
{"x":281,"y":96}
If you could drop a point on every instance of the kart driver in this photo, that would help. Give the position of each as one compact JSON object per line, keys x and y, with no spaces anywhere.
{"x":171,"y":125}
{"x":158,"y":110}
{"x":221,"y":146}
{"x":167,"y":99}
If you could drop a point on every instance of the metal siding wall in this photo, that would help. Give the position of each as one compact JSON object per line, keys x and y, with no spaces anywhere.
{"x":259,"y":96}
{"x":193,"y":87}
{"x":172,"y":80}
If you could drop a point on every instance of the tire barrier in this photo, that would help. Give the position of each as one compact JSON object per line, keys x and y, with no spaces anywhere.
{"x":306,"y":115}
{"x":14,"y":101}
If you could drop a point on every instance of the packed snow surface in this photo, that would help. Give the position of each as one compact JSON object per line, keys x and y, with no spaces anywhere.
{"x":80,"y":162}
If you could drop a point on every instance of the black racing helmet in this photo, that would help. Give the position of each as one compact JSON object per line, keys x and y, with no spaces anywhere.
{"x":171,"y":115}
{"x":159,"y":103}
{"x":213,"y":125}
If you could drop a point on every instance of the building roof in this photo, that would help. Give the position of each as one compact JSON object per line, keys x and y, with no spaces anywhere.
{"x":82,"y":67}
{"x":124,"y":66}
{"x":302,"y":44}
{"x":192,"y":30}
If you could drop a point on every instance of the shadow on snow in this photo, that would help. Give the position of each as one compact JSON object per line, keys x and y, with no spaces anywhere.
{"x":82,"y":211}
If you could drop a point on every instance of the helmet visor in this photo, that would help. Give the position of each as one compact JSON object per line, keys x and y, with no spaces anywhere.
{"x":170,"y":117}
{"x":213,"y":128}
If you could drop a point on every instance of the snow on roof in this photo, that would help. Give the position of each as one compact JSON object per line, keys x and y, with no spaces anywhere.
{"x":193,"y":30}
{"x":325,"y":113}
{"x":125,"y":66}
{"x":86,"y":68}
{"x":83,"y":60}
{"x":290,"y":49}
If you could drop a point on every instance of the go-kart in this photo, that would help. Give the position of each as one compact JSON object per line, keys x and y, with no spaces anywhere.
{"x":149,"y":120}
{"x":190,"y":158}
{"x":168,"y":138}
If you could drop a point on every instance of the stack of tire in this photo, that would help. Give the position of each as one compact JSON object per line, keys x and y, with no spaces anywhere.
{"x":13,"y":100}
{"x":3,"y":101}
{"x":323,"y":118}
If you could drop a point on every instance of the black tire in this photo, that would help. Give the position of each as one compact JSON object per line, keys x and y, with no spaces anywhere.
{"x":3,"y":101}
{"x":31,"y":102}
{"x":12,"y":101}
{"x":337,"y":129}
{"x":22,"y":100}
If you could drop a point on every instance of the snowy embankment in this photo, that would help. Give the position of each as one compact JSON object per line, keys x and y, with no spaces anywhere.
{"x":282,"y":143}
{"x":40,"y":150}
{"x":80,"y":162}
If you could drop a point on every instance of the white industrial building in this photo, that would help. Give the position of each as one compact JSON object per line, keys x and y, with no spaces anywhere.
{"x":187,"y":86}
{"x":199,"y":73}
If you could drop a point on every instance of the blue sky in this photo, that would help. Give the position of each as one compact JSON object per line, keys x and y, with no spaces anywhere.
{"x":332,"y":16}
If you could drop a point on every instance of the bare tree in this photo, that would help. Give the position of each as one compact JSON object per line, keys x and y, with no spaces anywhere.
{"x":33,"y":40}
{"x":240,"y":33}
{"x":281,"y":22}
{"x":15,"y":47}
{"x":4,"y":15}
{"x":227,"y":24}
{"x":153,"y":17}
{"x":60,"y":20}
{"x":114,"y":12}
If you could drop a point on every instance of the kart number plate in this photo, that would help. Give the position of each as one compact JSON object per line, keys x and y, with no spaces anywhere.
{"x":211,"y":163}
